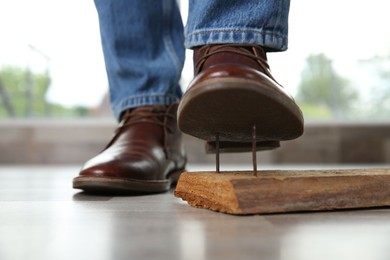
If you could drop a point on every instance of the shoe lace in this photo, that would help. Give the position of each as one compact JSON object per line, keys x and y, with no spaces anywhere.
{"x":154,"y":115}
{"x":248,"y":50}
{"x":135,"y":116}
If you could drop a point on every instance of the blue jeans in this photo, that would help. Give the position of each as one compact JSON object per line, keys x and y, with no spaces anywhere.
{"x":143,"y":41}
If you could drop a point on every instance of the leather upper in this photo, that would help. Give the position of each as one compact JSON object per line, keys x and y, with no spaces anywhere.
{"x":250,"y":56}
{"x":146,"y":146}
{"x":234,"y":61}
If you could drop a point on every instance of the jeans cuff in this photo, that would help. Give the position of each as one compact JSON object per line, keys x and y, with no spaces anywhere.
{"x":143,"y":100}
{"x":270,"y":40}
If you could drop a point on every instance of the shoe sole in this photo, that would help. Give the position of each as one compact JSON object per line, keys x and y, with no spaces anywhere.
{"x":124,"y":185}
{"x":230,"y":107}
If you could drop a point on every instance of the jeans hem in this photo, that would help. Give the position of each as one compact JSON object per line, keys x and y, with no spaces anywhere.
{"x":271,"y":40}
{"x":143,"y":100}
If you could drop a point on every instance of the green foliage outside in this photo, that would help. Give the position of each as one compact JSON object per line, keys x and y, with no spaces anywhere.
{"x":378,"y":104}
{"x":312,"y":111}
{"x":22,"y":95}
{"x":322,"y":93}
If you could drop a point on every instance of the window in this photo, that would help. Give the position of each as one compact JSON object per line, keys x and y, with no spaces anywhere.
{"x":337,"y":66}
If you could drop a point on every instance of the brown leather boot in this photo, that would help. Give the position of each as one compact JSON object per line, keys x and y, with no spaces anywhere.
{"x":145,"y":154}
{"x":233,"y":91}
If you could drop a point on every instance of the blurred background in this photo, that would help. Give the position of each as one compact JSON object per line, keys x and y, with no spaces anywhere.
{"x":54,"y":105}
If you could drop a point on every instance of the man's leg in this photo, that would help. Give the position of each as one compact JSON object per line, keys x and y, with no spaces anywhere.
{"x":143,"y":50}
{"x":233,"y":102}
{"x":144,"y":55}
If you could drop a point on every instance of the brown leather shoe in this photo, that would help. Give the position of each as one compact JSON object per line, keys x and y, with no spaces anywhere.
{"x":145,"y":154}
{"x":232,"y":91}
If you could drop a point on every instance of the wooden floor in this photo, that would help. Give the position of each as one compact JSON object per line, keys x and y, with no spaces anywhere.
{"x":42,"y":217}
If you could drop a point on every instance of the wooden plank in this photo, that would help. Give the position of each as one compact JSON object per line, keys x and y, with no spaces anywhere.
{"x":280,"y":191}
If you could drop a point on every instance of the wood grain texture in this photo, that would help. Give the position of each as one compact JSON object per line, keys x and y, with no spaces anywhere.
{"x":280,"y":191}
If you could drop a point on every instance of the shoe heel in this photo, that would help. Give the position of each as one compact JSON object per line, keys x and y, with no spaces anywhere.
{"x":236,"y":147}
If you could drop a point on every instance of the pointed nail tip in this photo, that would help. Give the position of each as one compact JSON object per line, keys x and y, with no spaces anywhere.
{"x":217,"y":153}
{"x":254,"y":149}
